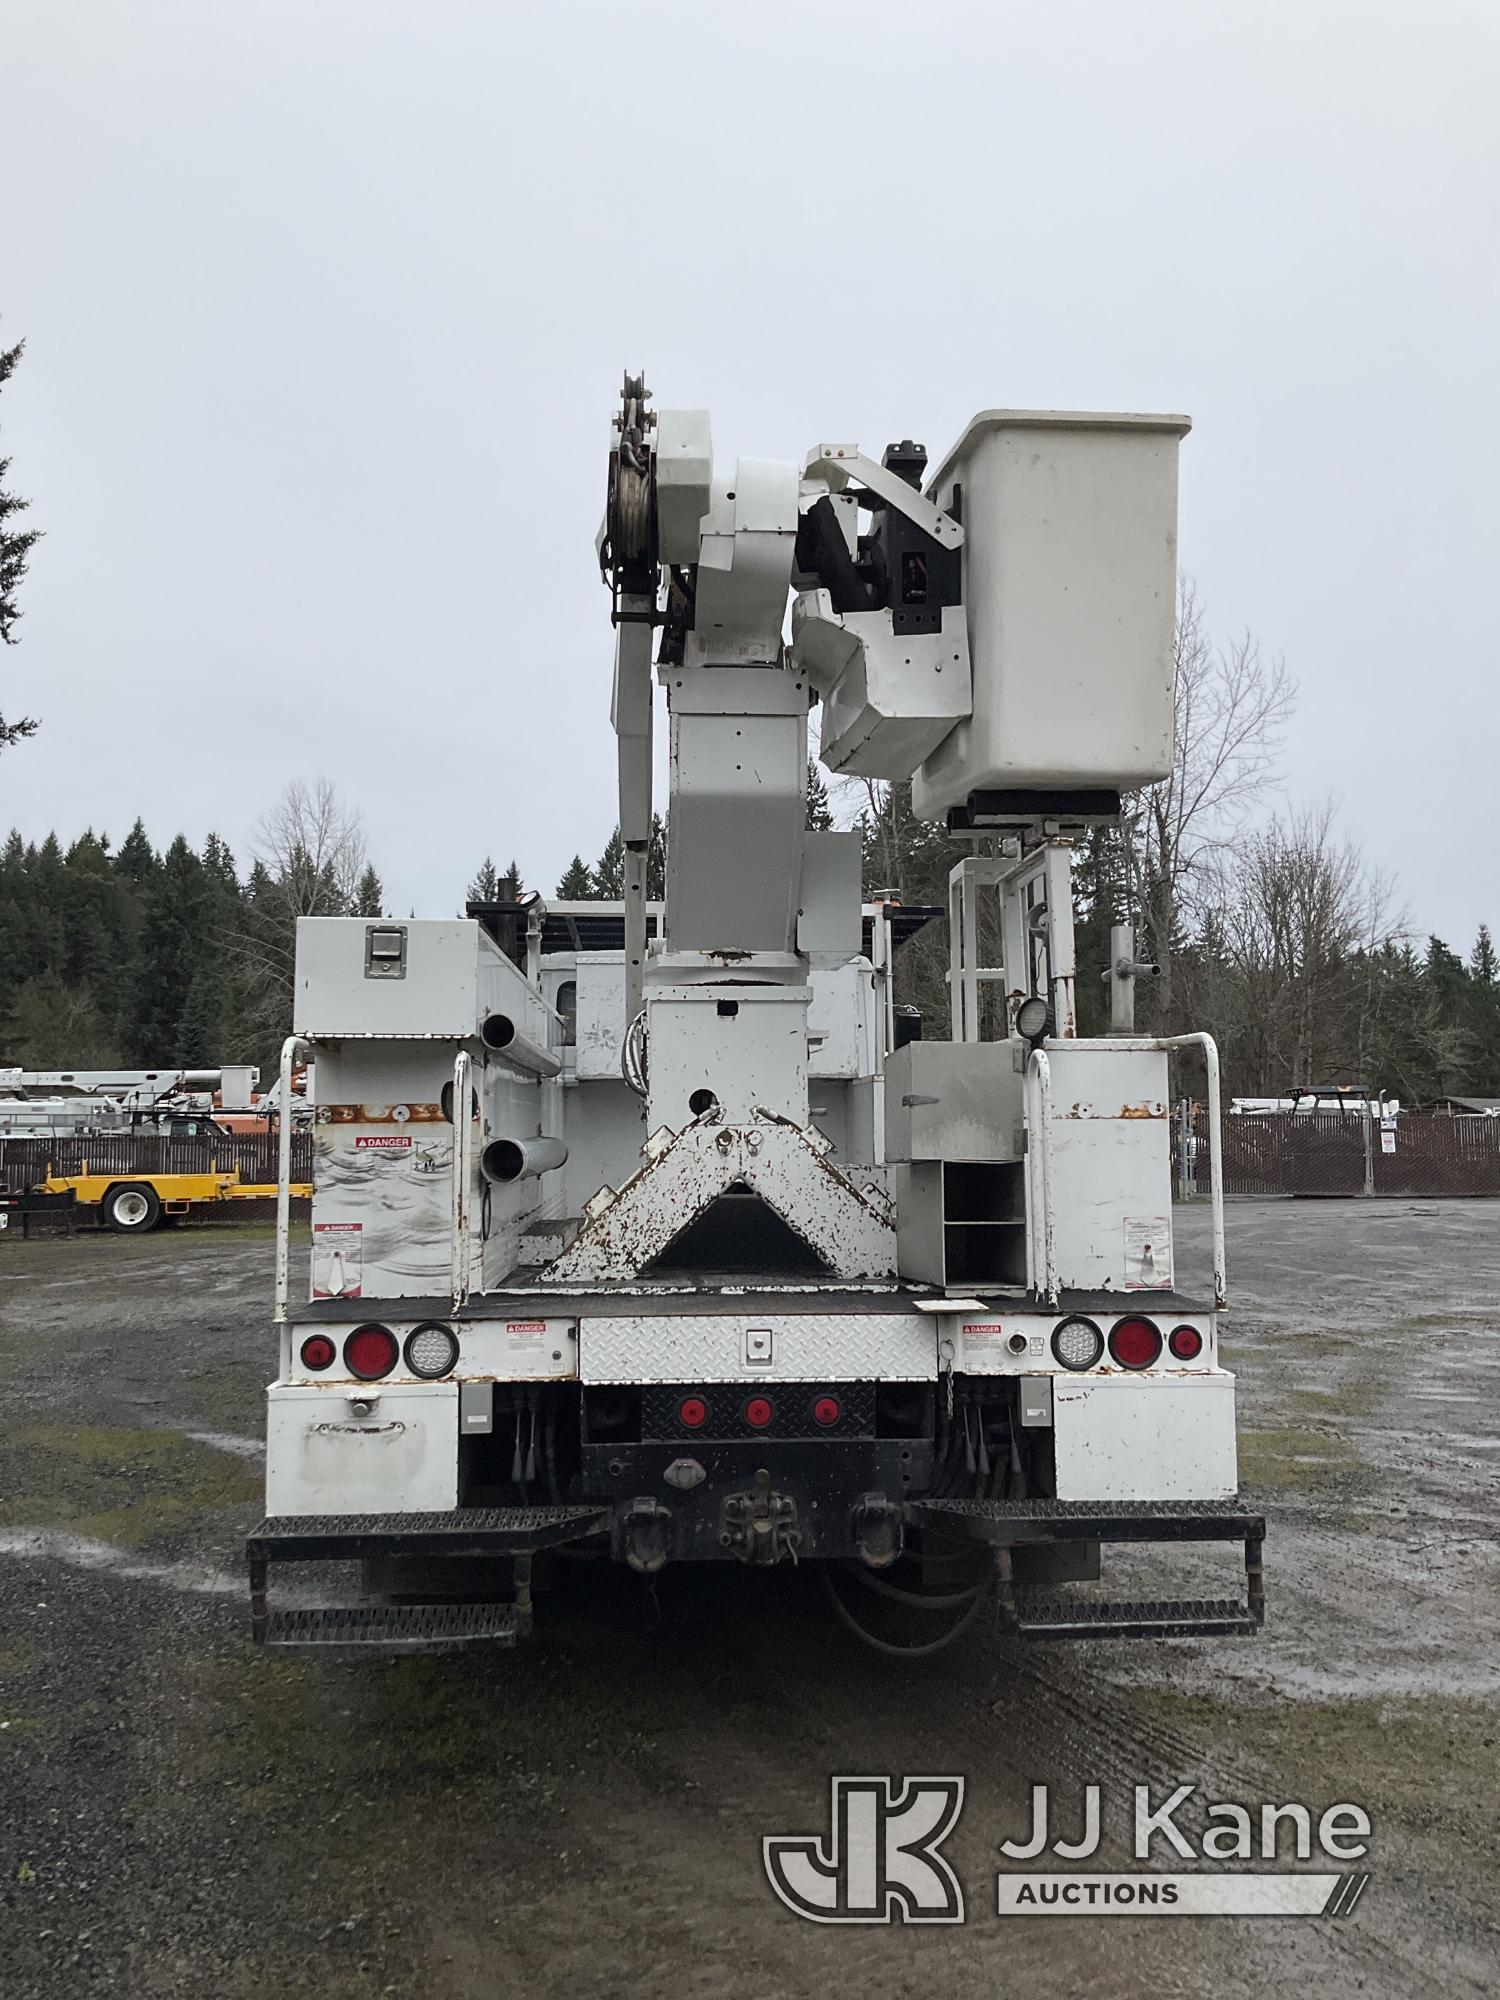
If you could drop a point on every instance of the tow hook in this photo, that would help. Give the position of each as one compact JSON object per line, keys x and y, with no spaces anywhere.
{"x":879,"y":1531}
{"x":643,"y":1533}
{"x":760,"y":1526}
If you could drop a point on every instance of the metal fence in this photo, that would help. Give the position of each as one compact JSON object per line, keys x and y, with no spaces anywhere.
{"x":1342,"y":1153}
{"x":25,"y":1163}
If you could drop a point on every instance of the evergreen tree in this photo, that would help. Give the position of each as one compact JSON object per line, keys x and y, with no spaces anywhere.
{"x":607,"y":881}
{"x":135,"y":859}
{"x":369,"y":895}
{"x":16,"y":545}
{"x":1483,"y":1016}
{"x":485,"y":887}
{"x":609,"y":870}
{"x":577,"y":884}
{"x":819,"y":812}
{"x":173,"y":950}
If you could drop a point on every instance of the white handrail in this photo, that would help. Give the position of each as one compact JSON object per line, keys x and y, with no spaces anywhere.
{"x":290,"y":1049}
{"x":1206,"y":1042}
{"x":1043,"y":1255}
{"x":463,"y":1136}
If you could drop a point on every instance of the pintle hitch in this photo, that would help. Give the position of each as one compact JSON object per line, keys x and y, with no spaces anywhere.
{"x":760,"y":1526}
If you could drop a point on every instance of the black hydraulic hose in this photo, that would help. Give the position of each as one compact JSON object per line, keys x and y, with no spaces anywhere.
{"x":924,"y":1651}
{"x":947,"y":1600}
{"x":549,"y":1453}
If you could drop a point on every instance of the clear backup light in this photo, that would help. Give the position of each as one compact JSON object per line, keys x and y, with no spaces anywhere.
{"x":1077,"y":1343}
{"x":431,"y":1351}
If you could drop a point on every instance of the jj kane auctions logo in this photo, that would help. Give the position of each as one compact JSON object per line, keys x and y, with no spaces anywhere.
{"x":880,"y":1862}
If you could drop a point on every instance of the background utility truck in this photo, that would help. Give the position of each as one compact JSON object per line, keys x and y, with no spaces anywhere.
{"x":634,"y":1229}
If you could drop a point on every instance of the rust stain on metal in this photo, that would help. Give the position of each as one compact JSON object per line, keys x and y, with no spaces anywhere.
{"x":380,"y":1114}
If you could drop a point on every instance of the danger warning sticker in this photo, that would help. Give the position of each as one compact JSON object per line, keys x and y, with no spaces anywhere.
{"x":383,"y":1142}
{"x":336,"y":1259}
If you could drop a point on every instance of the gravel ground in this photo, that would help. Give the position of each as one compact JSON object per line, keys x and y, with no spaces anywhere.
{"x":181,"y":1816}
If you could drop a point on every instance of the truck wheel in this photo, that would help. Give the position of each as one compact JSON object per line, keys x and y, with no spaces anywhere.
{"x":132,"y":1209}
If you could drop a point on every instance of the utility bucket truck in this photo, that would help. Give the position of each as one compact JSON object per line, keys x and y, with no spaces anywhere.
{"x":634,"y":1229}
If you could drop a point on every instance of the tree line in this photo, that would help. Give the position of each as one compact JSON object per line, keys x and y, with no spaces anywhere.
{"x":1271,"y":931}
{"x":126,"y":956}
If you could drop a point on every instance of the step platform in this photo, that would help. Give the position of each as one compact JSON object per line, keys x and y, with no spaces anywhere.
{"x":392,"y":1629}
{"x":1008,"y":1524}
{"x":517,"y":1532}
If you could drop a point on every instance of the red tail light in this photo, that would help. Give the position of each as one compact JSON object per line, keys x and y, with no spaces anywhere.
{"x":1186,"y":1342}
{"x":692,"y":1412}
{"x":758,"y":1412}
{"x":1135,"y":1343}
{"x":827,"y":1410}
{"x":370,"y":1352}
{"x":318,"y":1353}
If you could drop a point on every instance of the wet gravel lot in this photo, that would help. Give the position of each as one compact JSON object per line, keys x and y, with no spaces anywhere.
{"x":179,"y":1815}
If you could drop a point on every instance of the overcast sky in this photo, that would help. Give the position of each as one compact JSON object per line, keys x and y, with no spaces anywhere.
{"x":326,"y":307}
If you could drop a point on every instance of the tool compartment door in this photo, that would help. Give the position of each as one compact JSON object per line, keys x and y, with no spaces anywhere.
{"x":321,"y":1458}
{"x":1144,"y":1437}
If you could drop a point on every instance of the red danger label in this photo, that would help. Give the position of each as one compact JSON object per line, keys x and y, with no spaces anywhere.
{"x":526,"y":1326}
{"x":381,"y":1142}
{"x":984,"y":1326}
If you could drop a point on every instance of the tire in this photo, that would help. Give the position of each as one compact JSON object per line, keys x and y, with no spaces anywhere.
{"x":132,"y":1208}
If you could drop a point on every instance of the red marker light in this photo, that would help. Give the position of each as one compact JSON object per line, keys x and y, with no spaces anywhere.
{"x":1186,"y":1342}
{"x":827,"y":1410}
{"x":758,"y":1412}
{"x":318,"y":1353}
{"x":370,"y":1352}
{"x":1135,"y":1343}
{"x":692,"y":1412}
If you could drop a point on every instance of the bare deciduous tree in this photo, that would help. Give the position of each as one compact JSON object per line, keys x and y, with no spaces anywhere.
{"x":1231,"y":705}
{"x":313,"y":848}
{"x":310,"y":861}
{"x":1290,"y":942}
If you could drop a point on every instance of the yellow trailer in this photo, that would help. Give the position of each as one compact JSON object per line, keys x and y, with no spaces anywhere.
{"x":135,"y":1202}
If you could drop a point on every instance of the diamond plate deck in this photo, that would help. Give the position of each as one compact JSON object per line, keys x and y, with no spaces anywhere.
{"x":464,"y":1531}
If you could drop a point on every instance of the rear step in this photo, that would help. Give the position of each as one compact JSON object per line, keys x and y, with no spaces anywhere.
{"x":1182,"y":1618}
{"x":464,"y":1531}
{"x":517,"y":1532}
{"x":1007,"y":1524}
{"x":392,"y":1628}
